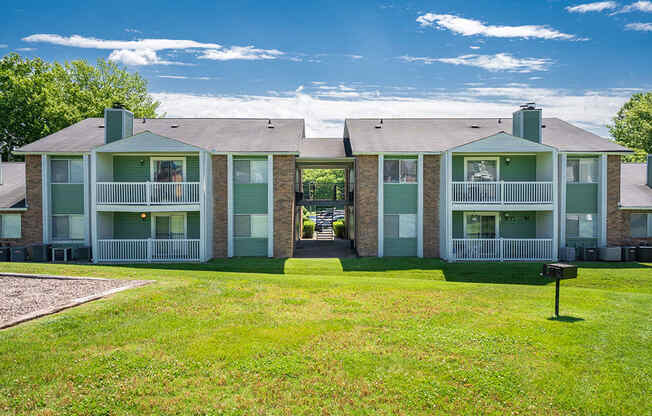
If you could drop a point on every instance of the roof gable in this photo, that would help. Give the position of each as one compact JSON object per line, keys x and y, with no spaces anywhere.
{"x":147,"y":142}
{"x":502,"y":142}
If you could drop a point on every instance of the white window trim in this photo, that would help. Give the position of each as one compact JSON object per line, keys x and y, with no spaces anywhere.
{"x":495,"y":158}
{"x":399,"y":226}
{"x":168,"y":214}
{"x":648,"y":225}
{"x":152,"y":166}
{"x":68,"y":165}
{"x":2,"y":226}
{"x":69,"y":240}
{"x":252,"y":159}
{"x":400,"y":181}
{"x":483,"y":214}
{"x":595,"y":220}
{"x":251,"y":225}
{"x":579,"y":182}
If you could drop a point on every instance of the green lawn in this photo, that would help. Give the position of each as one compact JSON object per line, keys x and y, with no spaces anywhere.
{"x":356,"y":336}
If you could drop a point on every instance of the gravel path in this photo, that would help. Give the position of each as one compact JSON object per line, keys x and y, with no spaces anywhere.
{"x":21,"y":296}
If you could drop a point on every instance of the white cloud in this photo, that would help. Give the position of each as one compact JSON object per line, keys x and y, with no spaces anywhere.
{"x":173,"y":76}
{"x":593,"y":7}
{"x":639,"y":6}
{"x":324,"y":115}
{"x":25,"y":49}
{"x":470,"y":27}
{"x":535,"y":78}
{"x":78,"y":41}
{"x":2,"y":46}
{"x":641,"y":27}
{"x":493,"y":63}
{"x":132,"y":30}
{"x":249,"y":53}
{"x":139,"y":57}
{"x":474,"y":47}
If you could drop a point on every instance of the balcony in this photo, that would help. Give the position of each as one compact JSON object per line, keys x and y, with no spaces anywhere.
{"x":147,"y":193}
{"x":147,"y":250}
{"x":502,"y":249}
{"x":502,"y":193}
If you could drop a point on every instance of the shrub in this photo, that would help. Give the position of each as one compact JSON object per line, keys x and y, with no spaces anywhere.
{"x":339,"y":229}
{"x":308,"y":229}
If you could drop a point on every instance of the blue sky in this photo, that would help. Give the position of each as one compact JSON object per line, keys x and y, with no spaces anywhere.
{"x":324,"y":61}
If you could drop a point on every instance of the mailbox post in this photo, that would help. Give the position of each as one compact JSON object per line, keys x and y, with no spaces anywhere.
{"x":558,"y":272}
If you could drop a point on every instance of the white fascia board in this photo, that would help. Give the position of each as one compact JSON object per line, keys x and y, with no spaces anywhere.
{"x":407,"y":152}
{"x":635,"y":208}
{"x":53,"y":153}
{"x":582,"y":153}
{"x":253,"y":153}
{"x":13,"y":209}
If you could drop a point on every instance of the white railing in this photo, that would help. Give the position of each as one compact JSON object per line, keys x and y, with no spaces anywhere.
{"x":525,"y":249}
{"x":502,"y":192}
{"x":147,"y":193}
{"x":147,"y":250}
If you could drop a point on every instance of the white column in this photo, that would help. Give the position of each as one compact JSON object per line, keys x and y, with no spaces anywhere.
{"x":555,"y":210}
{"x":87,"y":196}
{"x":603,"y":200}
{"x":270,"y":206}
{"x":45,"y":195}
{"x":562,"y":201}
{"x":93,"y":196}
{"x":202,"y":206}
{"x":381,"y":208}
{"x":449,"y":206}
{"x":420,"y":205}
{"x":229,"y":198}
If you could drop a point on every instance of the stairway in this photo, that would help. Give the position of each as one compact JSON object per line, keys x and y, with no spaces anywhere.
{"x":325,"y":234}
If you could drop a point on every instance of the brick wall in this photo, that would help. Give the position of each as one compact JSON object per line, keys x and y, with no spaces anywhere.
{"x":431,"y":181}
{"x":617,"y":230}
{"x":366,"y":205}
{"x":32,"y":219}
{"x":284,"y":175}
{"x":220,"y":206}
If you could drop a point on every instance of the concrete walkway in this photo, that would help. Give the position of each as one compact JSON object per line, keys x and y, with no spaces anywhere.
{"x":323,"y":249}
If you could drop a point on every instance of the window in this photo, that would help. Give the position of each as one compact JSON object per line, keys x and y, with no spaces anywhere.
{"x":68,"y":227}
{"x":483,"y":225}
{"x":640,"y":225}
{"x":397,"y":226}
{"x":582,"y":170}
{"x":250,"y":171}
{"x":581,"y":226}
{"x":10,"y":226}
{"x":168,"y":170}
{"x":169,"y":227}
{"x":250,"y":226}
{"x":481,"y":170}
{"x":67,"y":171}
{"x":400,"y":171}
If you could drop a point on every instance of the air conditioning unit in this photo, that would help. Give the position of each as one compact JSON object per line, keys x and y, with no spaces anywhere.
{"x":567,"y":254}
{"x":61,"y":254}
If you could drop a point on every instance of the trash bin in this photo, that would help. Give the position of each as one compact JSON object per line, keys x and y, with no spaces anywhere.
{"x":629,"y":253}
{"x":82,"y":253}
{"x":610,"y":253}
{"x":567,"y":254}
{"x":644,"y":253}
{"x":39,"y":252}
{"x":5,"y":253}
{"x":589,"y":254}
{"x":18,"y":254}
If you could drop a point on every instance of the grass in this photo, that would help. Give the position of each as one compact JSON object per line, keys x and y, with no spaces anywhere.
{"x":329,"y":336}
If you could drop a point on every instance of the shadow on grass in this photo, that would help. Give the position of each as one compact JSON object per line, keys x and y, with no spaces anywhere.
{"x":567,"y":319}
{"x":259,"y":265}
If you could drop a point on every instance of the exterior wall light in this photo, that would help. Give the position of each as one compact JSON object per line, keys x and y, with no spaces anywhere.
{"x":508,"y":160}
{"x":143,"y":216}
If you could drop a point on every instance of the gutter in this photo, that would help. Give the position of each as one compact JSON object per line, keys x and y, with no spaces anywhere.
{"x":635,"y":208}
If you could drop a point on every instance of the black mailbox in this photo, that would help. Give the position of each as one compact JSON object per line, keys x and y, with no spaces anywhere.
{"x":558,"y":272}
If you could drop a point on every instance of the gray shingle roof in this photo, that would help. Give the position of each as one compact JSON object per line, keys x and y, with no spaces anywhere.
{"x":322,"y":148}
{"x":633,"y":189}
{"x":12,"y":190}
{"x":439,"y":134}
{"x":212,"y":134}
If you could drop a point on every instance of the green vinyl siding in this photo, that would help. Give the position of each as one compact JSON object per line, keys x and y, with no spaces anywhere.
{"x":521,"y":224}
{"x":582,"y":198}
{"x":129,"y":225}
{"x":458,"y":224}
{"x":531,"y":129}
{"x":67,"y":198}
{"x":522,"y":168}
{"x":192,"y":169}
{"x":192,"y":226}
{"x":250,"y":247}
{"x":113,"y":126}
{"x":402,"y":247}
{"x":250,"y":198}
{"x":131,"y":168}
{"x":400,"y":198}
{"x":399,"y":157}
{"x":581,"y":242}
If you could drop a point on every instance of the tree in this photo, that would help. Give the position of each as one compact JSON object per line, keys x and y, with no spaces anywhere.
{"x":633,"y":125}
{"x":38,"y":98}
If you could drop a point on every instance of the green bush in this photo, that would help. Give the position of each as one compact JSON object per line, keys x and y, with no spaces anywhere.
{"x":308,"y":229}
{"x":339,"y":229}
